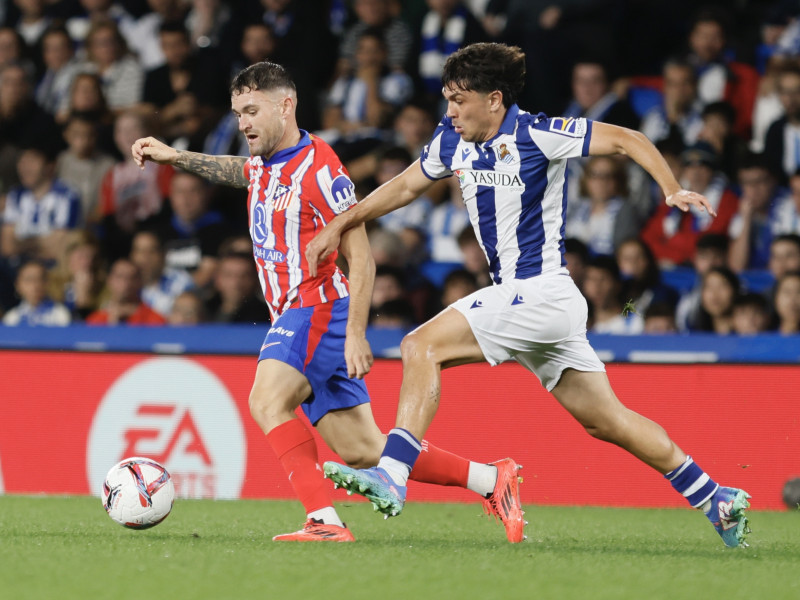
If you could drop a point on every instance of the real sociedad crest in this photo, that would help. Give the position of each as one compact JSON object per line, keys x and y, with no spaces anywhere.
{"x":503,"y":154}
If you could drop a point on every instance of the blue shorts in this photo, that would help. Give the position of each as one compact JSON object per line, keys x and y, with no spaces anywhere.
{"x":311,"y":340}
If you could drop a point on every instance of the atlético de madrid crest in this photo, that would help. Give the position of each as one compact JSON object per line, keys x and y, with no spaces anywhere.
{"x":282,"y":197}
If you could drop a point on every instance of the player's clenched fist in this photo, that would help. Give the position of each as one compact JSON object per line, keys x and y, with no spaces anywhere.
{"x":150,"y":148}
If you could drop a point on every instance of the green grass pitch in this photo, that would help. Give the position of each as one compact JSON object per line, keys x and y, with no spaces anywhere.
{"x":64,"y":548}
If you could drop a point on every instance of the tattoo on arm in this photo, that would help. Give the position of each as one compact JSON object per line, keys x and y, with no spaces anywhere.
{"x":227,"y":170}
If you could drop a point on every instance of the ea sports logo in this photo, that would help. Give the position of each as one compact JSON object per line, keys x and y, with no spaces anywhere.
{"x":178,"y":413}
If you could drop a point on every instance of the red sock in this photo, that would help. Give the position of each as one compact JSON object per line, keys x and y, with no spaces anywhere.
{"x":295,"y":447}
{"x":441,"y":467}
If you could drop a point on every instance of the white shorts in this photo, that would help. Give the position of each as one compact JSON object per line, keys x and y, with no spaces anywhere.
{"x":539,"y":322}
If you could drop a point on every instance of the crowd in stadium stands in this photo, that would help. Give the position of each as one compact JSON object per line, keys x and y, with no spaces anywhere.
{"x":86,"y":236}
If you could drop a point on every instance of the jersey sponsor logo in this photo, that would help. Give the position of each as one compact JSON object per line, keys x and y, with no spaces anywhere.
{"x":269,"y":254}
{"x":282,"y":197}
{"x":280,"y":331}
{"x":343,"y":191}
{"x":489,"y":178}
{"x":517,"y":300}
{"x":568,"y":126}
{"x":179,"y":413}
{"x":503,"y":154}
{"x":258,"y":227}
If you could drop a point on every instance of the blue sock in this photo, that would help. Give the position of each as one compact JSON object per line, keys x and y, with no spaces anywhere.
{"x":399,"y":455}
{"x":692,"y":482}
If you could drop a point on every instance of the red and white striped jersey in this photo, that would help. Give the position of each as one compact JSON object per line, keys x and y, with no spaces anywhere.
{"x":291,"y":197}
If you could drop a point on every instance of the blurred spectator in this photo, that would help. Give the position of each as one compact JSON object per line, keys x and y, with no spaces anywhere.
{"x":413,"y":126}
{"x":187,"y":309}
{"x":447,"y":26}
{"x":186,"y":94}
{"x":191,"y":232}
{"x":720,"y":78}
{"x":32,"y":20}
{"x":22,"y":122}
{"x":390,"y":284}
{"x":86,"y":97}
{"x":447,"y":220}
{"x":787,"y":303}
{"x":773,"y":26}
{"x":123,"y":305}
{"x":592,"y":97}
{"x":82,"y":166}
{"x":598,"y":218}
{"x":35,"y":307}
{"x":784,"y":255}
{"x":396,"y":35}
{"x":12,"y":47}
{"x":107,"y":56}
{"x":392,"y":314}
{"x":660,"y":318}
{"x":61,"y":67}
{"x":710,"y":251}
{"x":130,"y":195}
{"x":387,"y":248}
{"x":672,"y":233}
{"x":142,"y":35}
{"x":214,"y":27}
{"x":641,"y":276}
{"x":782,"y":142}
{"x":79,"y":277}
{"x":758,"y":219}
{"x":720,"y":288}
{"x":602,"y":287}
{"x":474,"y":258}
{"x":160,"y":284}
{"x":718,"y":121}
{"x":40,"y":211}
{"x":576,"y":253}
{"x":768,"y":107}
{"x":257,"y":45}
{"x":235,"y":288}
{"x":750,"y":314}
{"x":98,"y":10}
{"x":305,"y":46}
{"x":409,"y":221}
{"x":679,"y":112}
{"x":457,"y":285}
{"x":361,"y":101}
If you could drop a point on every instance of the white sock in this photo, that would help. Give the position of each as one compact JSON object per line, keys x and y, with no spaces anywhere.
{"x":481,"y":478}
{"x":397,"y":470}
{"x":327,"y":515}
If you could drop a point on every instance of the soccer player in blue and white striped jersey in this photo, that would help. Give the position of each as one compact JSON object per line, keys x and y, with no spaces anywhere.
{"x":511,"y":168}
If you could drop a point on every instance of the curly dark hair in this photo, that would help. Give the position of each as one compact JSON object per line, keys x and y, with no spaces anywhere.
{"x":264,"y":76}
{"x":487,"y":67}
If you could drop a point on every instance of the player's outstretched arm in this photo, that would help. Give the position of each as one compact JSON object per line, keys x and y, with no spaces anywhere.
{"x":610,"y":139}
{"x":225,"y":170}
{"x":393,"y":194}
{"x":361,"y":275}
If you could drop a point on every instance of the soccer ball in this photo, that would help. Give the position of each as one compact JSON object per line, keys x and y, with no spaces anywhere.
{"x":138,"y":493}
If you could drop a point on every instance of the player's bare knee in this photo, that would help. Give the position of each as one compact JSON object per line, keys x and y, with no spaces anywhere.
{"x":415,"y":347}
{"x":267,"y":410}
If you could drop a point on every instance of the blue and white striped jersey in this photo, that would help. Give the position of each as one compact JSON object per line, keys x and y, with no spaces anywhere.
{"x":514,"y":187}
